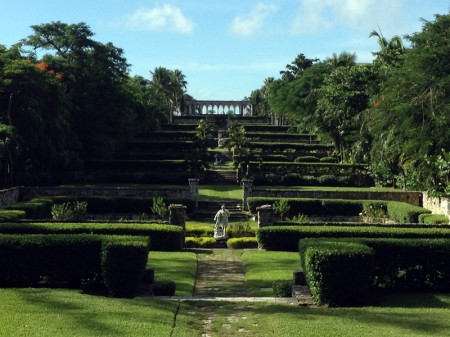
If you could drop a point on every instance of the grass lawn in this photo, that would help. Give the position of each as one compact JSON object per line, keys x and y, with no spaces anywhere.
{"x":399,"y":316}
{"x":61,"y":313}
{"x":263,"y":267}
{"x":220,"y":193}
{"x":180,"y":267}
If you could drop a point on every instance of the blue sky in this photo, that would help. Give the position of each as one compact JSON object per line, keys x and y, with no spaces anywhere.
{"x":225,"y":48}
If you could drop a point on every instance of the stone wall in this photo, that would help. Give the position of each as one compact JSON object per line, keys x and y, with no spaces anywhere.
{"x":414,"y":198}
{"x":436,"y":205}
{"x":9,"y":196}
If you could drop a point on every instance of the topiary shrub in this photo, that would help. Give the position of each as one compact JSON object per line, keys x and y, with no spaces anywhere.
{"x":282,"y":288}
{"x":338,"y":273}
{"x":433,"y":219}
{"x":201,"y":242}
{"x":123,"y":264}
{"x":328,"y":180}
{"x":403,"y":212}
{"x":242,"y":243}
{"x":164,"y":288}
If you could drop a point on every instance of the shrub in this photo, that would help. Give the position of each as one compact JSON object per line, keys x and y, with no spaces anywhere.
{"x":242,"y":243}
{"x":199,"y":230}
{"x":306,"y":159}
{"x":374,"y":211}
{"x":337,"y":272}
{"x":328,"y":180}
{"x":281,"y":207}
{"x":159,"y":207}
{"x":164,"y":288}
{"x":37,"y":208}
{"x":291,"y":179}
{"x":404,"y":213}
{"x":285,"y":238}
{"x":75,"y":211}
{"x":432,"y":219}
{"x":282,"y":288}
{"x":11,"y":215}
{"x":123,"y":265}
{"x":239,"y":230}
{"x":201,"y":242}
{"x":327,"y":160}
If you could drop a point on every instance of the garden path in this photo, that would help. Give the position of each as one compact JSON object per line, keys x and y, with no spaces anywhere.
{"x":220,"y":273}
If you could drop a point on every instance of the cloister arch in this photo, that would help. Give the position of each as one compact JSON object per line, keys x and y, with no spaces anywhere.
{"x":203,"y":107}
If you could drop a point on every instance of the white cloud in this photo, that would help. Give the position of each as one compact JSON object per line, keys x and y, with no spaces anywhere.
{"x":314,"y":16}
{"x":249,"y":24}
{"x":165,"y":17}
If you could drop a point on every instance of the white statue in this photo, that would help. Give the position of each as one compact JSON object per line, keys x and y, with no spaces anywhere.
{"x":221,"y":219}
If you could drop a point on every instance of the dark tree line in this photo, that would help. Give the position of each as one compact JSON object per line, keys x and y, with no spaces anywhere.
{"x":76,"y":102}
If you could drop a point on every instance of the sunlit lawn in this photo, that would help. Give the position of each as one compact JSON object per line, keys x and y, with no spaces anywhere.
{"x":220,"y":193}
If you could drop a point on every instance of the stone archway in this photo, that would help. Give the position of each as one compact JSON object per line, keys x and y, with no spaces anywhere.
{"x":202,"y":107}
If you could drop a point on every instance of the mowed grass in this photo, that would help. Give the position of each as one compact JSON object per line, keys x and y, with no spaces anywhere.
{"x":61,"y":313}
{"x":410,"y":315}
{"x":180,"y":267}
{"x":264,"y":267}
{"x":220,"y":193}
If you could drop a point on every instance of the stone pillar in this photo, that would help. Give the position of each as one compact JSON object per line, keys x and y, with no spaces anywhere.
{"x":177,"y":215}
{"x":247,"y":192}
{"x":193,"y":190}
{"x":265,"y":215}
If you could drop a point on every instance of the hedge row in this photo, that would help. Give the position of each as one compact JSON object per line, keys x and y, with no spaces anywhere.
{"x":337,"y":272}
{"x":40,"y":208}
{"x":314,"y":169}
{"x":281,"y":137}
{"x":433,"y":219}
{"x":340,"y":272}
{"x":147,"y":177}
{"x":70,"y":260}
{"x":159,"y":145}
{"x":163,"y":237}
{"x":281,"y":146}
{"x":174,"y":165}
{"x":286,"y":238}
{"x":295,"y":179}
{"x":398,"y":211}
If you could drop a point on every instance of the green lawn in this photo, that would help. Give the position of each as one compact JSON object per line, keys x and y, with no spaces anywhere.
{"x":180,"y":267}
{"x":220,"y":193}
{"x":263,"y":267}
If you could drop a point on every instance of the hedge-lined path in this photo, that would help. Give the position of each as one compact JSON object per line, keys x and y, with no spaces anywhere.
{"x":220,"y":273}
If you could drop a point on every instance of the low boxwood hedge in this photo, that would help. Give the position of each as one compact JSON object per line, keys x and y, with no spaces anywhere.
{"x":337,"y":272}
{"x":11,"y":215}
{"x":163,"y":237}
{"x":286,"y":238}
{"x":37,"y":208}
{"x":432,"y":219}
{"x":242,"y":243}
{"x":70,"y":260}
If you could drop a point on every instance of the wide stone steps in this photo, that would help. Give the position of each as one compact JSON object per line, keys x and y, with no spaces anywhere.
{"x":208,"y":209}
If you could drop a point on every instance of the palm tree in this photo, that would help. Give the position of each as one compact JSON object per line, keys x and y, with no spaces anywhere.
{"x":171,"y":86}
{"x":344,"y":59}
{"x":390,"y":50}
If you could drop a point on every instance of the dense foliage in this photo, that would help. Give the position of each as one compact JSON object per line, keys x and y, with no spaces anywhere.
{"x":392,"y":113}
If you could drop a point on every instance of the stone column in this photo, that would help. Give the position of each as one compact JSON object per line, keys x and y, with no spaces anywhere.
{"x":247,"y":192}
{"x":193,"y":190}
{"x":265,"y":215}
{"x":177,"y":215}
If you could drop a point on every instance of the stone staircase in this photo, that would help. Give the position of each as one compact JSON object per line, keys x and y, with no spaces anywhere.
{"x":207,"y":210}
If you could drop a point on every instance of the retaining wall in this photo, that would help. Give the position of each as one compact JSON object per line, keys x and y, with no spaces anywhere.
{"x":9,"y":196}
{"x":437,"y":205}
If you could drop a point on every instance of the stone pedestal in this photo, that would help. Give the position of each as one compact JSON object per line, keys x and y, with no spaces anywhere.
{"x":177,"y":215}
{"x":193,"y":190}
{"x":247,"y":188}
{"x":265,"y":215}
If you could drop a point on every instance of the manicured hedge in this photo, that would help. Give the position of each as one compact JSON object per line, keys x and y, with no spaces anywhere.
{"x":401,"y":212}
{"x":145,"y":177}
{"x":200,"y":242}
{"x":337,"y":272}
{"x":138,"y":165}
{"x":416,"y":264}
{"x":242,"y":243}
{"x":432,"y":219}
{"x":171,"y":145}
{"x":286,"y":238}
{"x":315,"y":169}
{"x":70,"y":260}
{"x":12,"y":215}
{"x":123,"y":264}
{"x":163,"y":237}
{"x":37,"y":208}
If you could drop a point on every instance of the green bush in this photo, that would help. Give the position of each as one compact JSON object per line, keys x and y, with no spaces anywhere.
{"x":163,"y":237}
{"x":282,"y":288}
{"x":239,"y":230}
{"x":432,"y":219}
{"x":57,"y":260}
{"x":123,"y":264}
{"x":417,"y":264}
{"x":11,"y":215}
{"x":292,"y":179}
{"x":201,"y":242}
{"x":199,"y":230}
{"x":286,"y":238}
{"x":338,"y":273}
{"x":159,"y":207}
{"x":74,"y":211}
{"x":242,"y":243}
{"x":37,"y":208}
{"x":164,"y":288}
{"x":404,"y":213}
